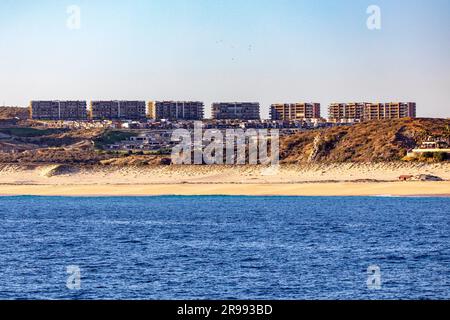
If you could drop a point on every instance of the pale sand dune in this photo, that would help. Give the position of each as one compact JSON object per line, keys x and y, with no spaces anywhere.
{"x":314,"y":179}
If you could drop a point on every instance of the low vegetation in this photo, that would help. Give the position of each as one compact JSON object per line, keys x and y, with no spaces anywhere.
{"x":374,"y":141}
{"x":431,"y":157}
{"x":29,"y":132}
{"x":111,"y":137}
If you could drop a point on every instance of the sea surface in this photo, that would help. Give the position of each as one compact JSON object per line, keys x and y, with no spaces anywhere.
{"x":219,"y":247}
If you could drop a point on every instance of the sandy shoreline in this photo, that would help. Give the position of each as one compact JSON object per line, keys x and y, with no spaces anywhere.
{"x":306,"y":189}
{"x":287,"y":180}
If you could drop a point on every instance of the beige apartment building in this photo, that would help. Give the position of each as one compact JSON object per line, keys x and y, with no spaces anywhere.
{"x":176,"y":110}
{"x":118,"y":110}
{"x":295,"y":111}
{"x":347,"y":112}
{"x":236,"y":111}
{"x":55,"y":110}
{"x":395,"y":110}
{"x":364,"y":111}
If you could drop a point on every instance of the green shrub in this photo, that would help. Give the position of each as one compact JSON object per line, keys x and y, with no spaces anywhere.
{"x":26,"y":132}
{"x":427,"y":155}
{"x":112,"y":137}
{"x":440,"y":156}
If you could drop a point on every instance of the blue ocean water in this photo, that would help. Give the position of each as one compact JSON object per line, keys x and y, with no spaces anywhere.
{"x":224,"y":247}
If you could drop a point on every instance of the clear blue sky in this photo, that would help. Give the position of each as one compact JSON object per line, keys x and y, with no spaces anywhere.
{"x":227,"y":50}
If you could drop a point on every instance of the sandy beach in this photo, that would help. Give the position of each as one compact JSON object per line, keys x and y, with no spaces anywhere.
{"x":289,"y":180}
{"x":295,"y":189}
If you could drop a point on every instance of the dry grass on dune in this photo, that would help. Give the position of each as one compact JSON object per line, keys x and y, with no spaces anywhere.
{"x":374,"y":141}
{"x":14,"y":112}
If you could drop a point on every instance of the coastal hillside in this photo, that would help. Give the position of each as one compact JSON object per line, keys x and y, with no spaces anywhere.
{"x":28,"y":145}
{"x":374,"y":141}
{"x":7,"y":113}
